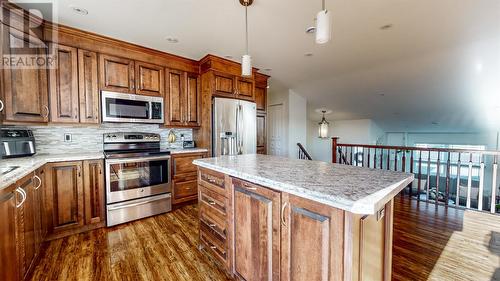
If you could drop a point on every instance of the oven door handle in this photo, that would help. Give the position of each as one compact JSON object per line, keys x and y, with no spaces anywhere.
{"x":124,"y":205}
{"x":137,"y":159}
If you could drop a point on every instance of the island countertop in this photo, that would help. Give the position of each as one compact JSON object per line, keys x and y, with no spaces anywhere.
{"x":353,"y":189}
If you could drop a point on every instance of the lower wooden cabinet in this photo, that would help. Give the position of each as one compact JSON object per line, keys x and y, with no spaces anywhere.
{"x":8,"y":229}
{"x":93,"y":182}
{"x":184,"y":177}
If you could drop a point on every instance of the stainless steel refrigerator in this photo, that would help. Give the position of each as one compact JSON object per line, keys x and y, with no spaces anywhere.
{"x":234,"y":127}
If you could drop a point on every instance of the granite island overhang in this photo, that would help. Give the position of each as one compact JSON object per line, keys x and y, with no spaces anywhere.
{"x":334,"y":220}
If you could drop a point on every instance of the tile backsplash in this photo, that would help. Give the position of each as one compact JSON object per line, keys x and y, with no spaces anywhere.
{"x":50,"y":139}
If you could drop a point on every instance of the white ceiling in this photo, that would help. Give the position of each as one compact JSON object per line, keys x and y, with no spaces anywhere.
{"x":440,"y":62}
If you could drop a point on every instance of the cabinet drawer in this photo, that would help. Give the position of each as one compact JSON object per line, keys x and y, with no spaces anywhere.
{"x":185,"y":189}
{"x":213,"y":180}
{"x":184,"y":164}
{"x":213,"y":246}
{"x":211,"y":220}
{"x":213,"y":200}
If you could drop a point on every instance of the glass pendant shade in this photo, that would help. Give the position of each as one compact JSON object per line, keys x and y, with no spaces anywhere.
{"x":323,"y":27}
{"x":246,"y":66}
{"x":323,"y":128}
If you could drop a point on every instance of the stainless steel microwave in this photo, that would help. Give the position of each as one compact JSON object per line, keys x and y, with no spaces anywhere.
{"x":131,"y":108}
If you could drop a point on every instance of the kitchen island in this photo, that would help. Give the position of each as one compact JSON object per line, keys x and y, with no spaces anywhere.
{"x":272,"y":218}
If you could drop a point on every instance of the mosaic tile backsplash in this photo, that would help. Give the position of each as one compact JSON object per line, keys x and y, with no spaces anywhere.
{"x":50,"y":139}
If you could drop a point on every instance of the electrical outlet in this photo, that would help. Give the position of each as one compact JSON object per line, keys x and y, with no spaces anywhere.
{"x":68,"y":138}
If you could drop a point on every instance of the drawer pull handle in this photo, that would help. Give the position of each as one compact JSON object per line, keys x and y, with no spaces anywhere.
{"x":283,"y":222}
{"x":210,"y":202}
{"x":212,"y":225}
{"x":39,"y":182}
{"x":23,"y":195}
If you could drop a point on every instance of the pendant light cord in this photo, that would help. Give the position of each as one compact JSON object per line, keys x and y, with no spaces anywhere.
{"x":246,"y":28}
{"x":323,"y":5}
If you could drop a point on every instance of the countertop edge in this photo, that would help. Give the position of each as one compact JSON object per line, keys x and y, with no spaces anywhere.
{"x":361,"y":206}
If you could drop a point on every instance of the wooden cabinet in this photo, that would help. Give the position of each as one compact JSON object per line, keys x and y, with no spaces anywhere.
{"x":312,"y":237}
{"x":88,"y":89}
{"x":224,"y":84}
{"x":261,"y":97}
{"x":65,"y":203}
{"x":256,"y":232}
{"x":116,"y":74}
{"x":261,"y":133}
{"x":183,"y":99}
{"x":93,"y":183}
{"x":184,"y":177}
{"x":24,"y":90}
{"x":245,"y":88}
{"x":64,"y":96}
{"x":8,"y":229}
{"x":149,"y":79}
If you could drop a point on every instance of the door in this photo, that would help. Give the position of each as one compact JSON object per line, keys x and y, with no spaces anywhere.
{"x":224,"y":84}
{"x":93,"y":183}
{"x":276,"y":130}
{"x":256,"y":232}
{"x":261,"y":133}
{"x":311,"y":240}
{"x":260,"y":97}
{"x":224,"y":124}
{"x":117,"y":74}
{"x":88,"y":89}
{"x":8,"y":251}
{"x":24,"y":90}
{"x":41,"y":189}
{"x":244,"y":88}
{"x":149,"y":79}
{"x":176,"y":98}
{"x":64,"y":100}
{"x":65,"y":195}
{"x":247,"y":128}
{"x":193,"y":100}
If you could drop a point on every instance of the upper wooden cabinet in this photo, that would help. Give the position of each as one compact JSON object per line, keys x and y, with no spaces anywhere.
{"x":149,"y":79}
{"x":116,"y":74}
{"x":260,"y":97}
{"x":88,"y":88}
{"x":224,"y":84}
{"x":182,"y":99}
{"x":63,"y":84}
{"x":244,"y":88}
{"x":24,"y":90}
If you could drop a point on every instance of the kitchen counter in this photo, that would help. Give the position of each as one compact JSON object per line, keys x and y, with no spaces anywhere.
{"x":353,"y":189}
{"x":188,"y":150}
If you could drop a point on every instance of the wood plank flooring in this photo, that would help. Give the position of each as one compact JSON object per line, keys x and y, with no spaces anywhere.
{"x":430,"y":243}
{"x":163,"y":247}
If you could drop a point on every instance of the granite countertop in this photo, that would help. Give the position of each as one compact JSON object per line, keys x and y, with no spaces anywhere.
{"x":353,"y":189}
{"x":29,"y":164}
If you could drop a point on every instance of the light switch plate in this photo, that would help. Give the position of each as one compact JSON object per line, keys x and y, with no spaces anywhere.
{"x":68,"y":138}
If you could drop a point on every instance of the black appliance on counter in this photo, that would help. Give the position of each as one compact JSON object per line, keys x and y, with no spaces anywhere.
{"x":15,"y":142}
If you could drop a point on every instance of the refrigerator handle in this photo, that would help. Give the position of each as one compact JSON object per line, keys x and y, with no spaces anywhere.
{"x":242,"y":129}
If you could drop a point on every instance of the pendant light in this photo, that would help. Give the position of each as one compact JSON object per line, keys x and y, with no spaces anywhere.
{"x":323,"y":25}
{"x":246,"y":60}
{"x":323,"y":127}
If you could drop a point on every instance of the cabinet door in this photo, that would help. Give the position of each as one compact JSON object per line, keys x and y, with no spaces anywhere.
{"x":256,"y":232}
{"x":24,"y":90}
{"x":65,"y":195}
{"x":87,"y":87}
{"x":116,"y":74}
{"x":176,"y":98}
{"x":224,"y":84}
{"x":93,"y":191}
{"x":41,"y":189}
{"x":149,"y":79}
{"x":261,"y":133}
{"x":260,"y":98}
{"x":27,"y":223}
{"x":64,"y":103}
{"x":244,"y":88}
{"x":312,"y":240}
{"x":193,"y":100}
{"x":8,"y":242}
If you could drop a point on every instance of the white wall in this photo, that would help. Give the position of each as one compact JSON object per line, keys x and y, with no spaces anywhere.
{"x":489,"y":139}
{"x":297,"y":122}
{"x":362,"y":131}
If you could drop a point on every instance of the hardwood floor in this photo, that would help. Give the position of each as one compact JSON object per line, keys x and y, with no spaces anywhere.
{"x":430,"y":243}
{"x":437,"y":243}
{"x":158,"y":248}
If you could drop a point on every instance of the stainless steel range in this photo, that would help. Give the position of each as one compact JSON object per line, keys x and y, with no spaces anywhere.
{"x":138,"y":179}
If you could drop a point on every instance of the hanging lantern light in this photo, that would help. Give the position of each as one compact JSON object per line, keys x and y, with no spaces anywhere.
{"x":323,"y":126}
{"x":246,"y":60}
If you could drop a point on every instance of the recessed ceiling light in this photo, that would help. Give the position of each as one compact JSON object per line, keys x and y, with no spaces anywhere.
{"x":268,"y":69}
{"x":435,"y":123}
{"x":385,"y":27}
{"x":308,"y":54}
{"x":80,"y":11}
{"x":382,"y":94}
{"x":172,"y":40}
{"x":228,"y":57}
{"x":311,"y":29}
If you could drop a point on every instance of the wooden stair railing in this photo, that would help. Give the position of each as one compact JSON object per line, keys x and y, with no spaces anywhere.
{"x":302,"y":152}
{"x":464,"y":178}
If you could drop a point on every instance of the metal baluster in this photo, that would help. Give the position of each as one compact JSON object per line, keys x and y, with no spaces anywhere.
{"x":381,"y":158}
{"x":388,"y":159}
{"x":447,"y":192}
{"x":494,"y":185}
{"x":428,"y":184}
{"x":419,"y":188}
{"x":375,"y":158}
{"x":481,"y":184}
{"x":395,"y":160}
{"x":459,"y":167}
{"x":438,"y":175}
{"x":469,"y":182}
{"x":368,"y":160}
